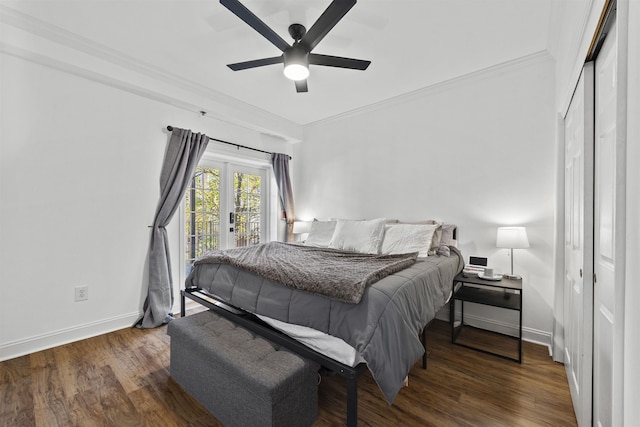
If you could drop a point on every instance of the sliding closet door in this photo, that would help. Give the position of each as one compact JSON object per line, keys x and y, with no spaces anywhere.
{"x":607,"y":319}
{"x":578,"y":243}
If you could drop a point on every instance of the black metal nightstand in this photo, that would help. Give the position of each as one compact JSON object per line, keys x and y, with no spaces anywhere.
{"x":505,"y":293}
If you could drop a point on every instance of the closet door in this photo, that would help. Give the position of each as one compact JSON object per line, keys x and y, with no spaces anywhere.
{"x":578,"y":244}
{"x":607,"y":332}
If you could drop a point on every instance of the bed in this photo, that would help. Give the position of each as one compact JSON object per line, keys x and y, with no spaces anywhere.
{"x":376,"y":323}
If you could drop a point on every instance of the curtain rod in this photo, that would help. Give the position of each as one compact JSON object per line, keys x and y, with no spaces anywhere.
{"x":238,"y":146}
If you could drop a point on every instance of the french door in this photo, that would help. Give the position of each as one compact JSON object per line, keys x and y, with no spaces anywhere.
{"x":224,"y":207}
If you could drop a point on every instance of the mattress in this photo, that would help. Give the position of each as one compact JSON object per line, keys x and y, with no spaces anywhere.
{"x":383,"y":328}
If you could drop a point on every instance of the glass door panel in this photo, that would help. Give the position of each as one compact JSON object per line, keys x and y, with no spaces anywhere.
{"x":224,"y":208}
{"x":202,"y":216}
{"x":247,"y":203}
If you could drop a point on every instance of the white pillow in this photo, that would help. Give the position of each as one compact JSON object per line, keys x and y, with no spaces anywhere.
{"x":405,"y":238}
{"x":435,"y":241}
{"x":320,"y":233}
{"x":364,"y":236}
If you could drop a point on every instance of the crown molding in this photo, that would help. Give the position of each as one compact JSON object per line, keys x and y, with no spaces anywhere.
{"x":178,"y":91}
{"x":501,"y":68}
{"x":195,"y":97}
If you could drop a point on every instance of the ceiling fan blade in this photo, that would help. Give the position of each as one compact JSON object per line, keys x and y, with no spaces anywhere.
{"x":256,"y":63}
{"x":254,"y":22}
{"x":338,"y":61}
{"x":301,"y":86}
{"x":329,"y":18}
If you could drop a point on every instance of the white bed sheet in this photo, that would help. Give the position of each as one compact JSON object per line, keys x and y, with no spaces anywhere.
{"x":326,"y":344}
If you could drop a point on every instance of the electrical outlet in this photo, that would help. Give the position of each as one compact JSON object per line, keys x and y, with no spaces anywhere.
{"x":82,"y":293}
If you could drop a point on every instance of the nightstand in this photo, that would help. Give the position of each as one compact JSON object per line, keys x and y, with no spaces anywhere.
{"x":505,"y":293}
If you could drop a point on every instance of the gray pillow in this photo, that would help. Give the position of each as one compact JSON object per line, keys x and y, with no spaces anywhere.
{"x":446,"y":239}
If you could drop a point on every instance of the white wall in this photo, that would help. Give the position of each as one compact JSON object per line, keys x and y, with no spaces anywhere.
{"x":79,"y":182}
{"x":82,"y":138}
{"x":477,"y":151}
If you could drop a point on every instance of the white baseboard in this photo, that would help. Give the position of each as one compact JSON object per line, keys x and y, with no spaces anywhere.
{"x":64,"y":336}
{"x":528,"y":334}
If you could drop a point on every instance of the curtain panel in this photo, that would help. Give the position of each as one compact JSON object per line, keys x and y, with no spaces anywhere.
{"x":180,"y":161}
{"x":280,"y":163}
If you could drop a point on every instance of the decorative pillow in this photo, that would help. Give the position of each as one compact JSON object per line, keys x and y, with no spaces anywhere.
{"x":405,"y":238}
{"x":447,"y":239}
{"x":364,"y":236}
{"x":320,"y":233}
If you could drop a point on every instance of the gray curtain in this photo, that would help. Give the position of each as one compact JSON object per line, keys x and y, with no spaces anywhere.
{"x":280,"y":163}
{"x":180,"y":161}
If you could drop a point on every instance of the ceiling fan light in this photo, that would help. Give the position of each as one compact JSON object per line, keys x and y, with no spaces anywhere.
{"x":296,"y":71}
{"x":296,"y":62}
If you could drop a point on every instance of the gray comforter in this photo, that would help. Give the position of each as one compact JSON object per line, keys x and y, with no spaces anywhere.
{"x":383,"y":327}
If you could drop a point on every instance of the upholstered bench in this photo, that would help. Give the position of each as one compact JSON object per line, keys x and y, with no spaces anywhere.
{"x":241,"y":378}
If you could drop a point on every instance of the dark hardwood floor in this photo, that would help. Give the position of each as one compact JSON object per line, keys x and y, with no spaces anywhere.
{"x":122,"y":379}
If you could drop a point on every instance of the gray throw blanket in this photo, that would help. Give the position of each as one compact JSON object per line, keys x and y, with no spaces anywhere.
{"x":339,"y":275}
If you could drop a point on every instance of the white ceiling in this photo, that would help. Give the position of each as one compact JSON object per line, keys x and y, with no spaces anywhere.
{"x":412,"y":44}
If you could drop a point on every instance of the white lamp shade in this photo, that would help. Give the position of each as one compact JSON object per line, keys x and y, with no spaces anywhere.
{"x":301,"y":227}
{"x":512,"y":238}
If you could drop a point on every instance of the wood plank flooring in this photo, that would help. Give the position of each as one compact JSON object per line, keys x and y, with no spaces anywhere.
{"x":122,"y":379}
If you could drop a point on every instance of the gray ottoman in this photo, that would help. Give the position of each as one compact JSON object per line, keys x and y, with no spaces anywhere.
{"x":243,"y":379}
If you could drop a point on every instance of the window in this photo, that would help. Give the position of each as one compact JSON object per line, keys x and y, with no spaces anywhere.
{"x":247,"y":208}
{"x":202,"y":216}
{"x":225,"y":206}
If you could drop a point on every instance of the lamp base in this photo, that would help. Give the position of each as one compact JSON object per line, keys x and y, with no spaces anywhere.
{"x":512,"y":276}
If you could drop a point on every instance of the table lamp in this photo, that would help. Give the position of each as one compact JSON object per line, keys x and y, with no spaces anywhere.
{"x":512,"y":238}
{"x":301,"y":227}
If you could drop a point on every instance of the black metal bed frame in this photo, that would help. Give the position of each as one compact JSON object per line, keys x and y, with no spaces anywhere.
{"x":254,"y":324}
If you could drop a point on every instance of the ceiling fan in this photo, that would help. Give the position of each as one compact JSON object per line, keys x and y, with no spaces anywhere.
{"x":297,"y":56}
